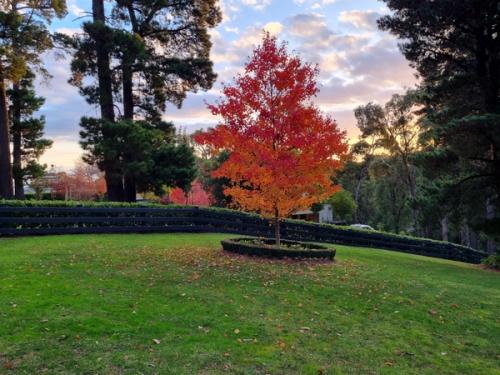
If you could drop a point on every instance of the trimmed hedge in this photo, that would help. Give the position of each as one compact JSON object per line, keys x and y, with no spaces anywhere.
{"x":246,"y":247}
{"x":21,"y":218}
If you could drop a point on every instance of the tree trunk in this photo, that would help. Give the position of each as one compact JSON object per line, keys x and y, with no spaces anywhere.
{"x":17,"y":167}
{"x":491,"y":245}
{"x":128,"y":100}
{"x":130,"y":189}
{"x":128,"y":112}
{"x":6,"y":188}
{"x":465,"y":234}
{"x":128,"y":87}
{"x":412,"y":187}
{"x":357,"y":193}
{"x":277,"y":233}
{"x":444,"y":229}
{"x":114,"y":178}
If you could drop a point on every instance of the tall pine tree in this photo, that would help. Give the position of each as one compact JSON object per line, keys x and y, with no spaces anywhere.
{"x":160,"y":51}
{"x":164,"y":49}
{"x":24,"y":37}
{"x":455,"y":47}
{"x":26,"y":132}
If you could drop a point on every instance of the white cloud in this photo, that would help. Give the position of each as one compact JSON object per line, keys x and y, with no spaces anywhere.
{"x":360,"y":19}
{"x":257,"y":4}
{"x":69,"y":31}
{"x":233,"y":30}
{"x":229,"y":10}
{"x":75,"y":10}
{"x":273,"y":28}
{"x":315,"y":4}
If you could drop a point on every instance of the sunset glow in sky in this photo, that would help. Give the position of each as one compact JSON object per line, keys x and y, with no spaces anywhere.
{"x":358,"y":63}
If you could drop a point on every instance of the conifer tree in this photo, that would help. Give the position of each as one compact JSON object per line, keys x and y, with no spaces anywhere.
{"x":26,"y":132}
{"x":160,"y":51}
{"x":24,"y":37}
{"x":164,"y":50}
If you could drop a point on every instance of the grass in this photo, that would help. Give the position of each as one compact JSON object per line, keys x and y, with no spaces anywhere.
{"x":174,"y":304}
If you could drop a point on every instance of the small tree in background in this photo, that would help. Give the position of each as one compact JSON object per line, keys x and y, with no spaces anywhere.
{"x":343,"y":205}
{"x":283,"y":150}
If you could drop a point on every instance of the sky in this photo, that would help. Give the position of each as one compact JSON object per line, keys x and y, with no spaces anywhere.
{"x":358,"y":63}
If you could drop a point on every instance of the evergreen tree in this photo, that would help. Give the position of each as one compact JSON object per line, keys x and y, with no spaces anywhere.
{"x":24,"y":37}
{"x":26,"y":132}
{"x":150,"y":155}
{"x":164,"y":50}
{"x":160,"y":51}
{"x":455,"y":47}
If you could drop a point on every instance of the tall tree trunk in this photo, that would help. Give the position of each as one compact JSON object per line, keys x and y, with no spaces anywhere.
{"x":128,"y":112}
{"x":444,"y":229}
{"x":114,"y":178}
{"x":491,"y":245}
{"x":412,"y":187}
{"x":6,"y":188}
{"x":357,"y":193}
{"x":17,"y":167}
{"x":465,"y":234}
{"x":130,"y":188}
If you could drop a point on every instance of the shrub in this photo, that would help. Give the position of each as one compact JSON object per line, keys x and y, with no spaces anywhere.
{"x":492,"y":262}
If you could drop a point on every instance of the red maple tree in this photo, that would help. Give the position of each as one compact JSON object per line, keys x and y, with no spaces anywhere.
{"x":283,"y":150}
{"x":195,"y":197}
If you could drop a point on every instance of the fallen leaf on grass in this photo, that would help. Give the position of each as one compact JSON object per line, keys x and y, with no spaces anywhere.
{"x":281,"y":344}
{"x":8,"y":365}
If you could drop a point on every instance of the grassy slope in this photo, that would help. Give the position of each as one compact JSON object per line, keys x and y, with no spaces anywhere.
{"x":94,"y":304}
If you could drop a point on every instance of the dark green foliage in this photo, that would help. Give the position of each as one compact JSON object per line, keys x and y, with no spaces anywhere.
{"x":493,"y":262}
{"x":173,"y":165}
{"x":151,"y":155}
{"x":26,"y":133}
{"x":157,"y":51}
{"x":24,"y":38}
{"x":266,"y":247}
{"x":343,"y":205}
{"x":456,"y":50}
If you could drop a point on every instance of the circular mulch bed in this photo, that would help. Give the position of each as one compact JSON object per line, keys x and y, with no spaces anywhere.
{"x":266,"y":247}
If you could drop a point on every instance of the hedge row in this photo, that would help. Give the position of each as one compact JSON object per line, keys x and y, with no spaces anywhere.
{"x":38,"y":218}
{"x":244,"y":246}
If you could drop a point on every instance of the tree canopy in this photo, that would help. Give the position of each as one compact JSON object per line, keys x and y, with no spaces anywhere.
{"x":282,"y":149}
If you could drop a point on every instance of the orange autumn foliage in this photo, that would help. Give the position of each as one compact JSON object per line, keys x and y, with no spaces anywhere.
{"x":283,"y":150}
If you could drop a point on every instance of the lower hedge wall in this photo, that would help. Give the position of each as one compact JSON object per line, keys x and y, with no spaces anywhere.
{"x":245,"y":247}
{"x":29,"y":219}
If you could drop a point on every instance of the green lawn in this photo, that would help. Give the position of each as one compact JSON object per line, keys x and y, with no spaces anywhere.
{"x":174,"y":304}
